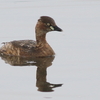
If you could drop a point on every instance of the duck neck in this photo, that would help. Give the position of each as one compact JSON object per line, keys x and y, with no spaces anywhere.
{"x":41,"y":39}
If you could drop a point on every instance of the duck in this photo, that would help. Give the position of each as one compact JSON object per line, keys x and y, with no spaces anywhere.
{"x":31,"y":48}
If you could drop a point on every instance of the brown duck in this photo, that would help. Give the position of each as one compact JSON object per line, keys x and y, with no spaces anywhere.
{"x":31,"y":48}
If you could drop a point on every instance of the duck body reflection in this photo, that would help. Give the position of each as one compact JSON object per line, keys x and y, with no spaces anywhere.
{"x":41,"y":63}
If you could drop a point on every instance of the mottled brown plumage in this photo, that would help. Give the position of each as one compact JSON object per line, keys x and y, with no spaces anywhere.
{"x":31,"y":48}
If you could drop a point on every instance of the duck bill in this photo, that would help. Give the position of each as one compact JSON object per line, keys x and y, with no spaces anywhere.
{"x":56,"y":28}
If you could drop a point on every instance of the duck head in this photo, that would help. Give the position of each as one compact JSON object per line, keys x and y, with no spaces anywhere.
{"x":46,"y":24}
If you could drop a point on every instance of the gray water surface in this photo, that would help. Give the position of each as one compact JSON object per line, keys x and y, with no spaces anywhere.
{"x":77,"y":61}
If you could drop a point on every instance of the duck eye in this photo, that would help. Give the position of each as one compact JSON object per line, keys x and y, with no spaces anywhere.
{"x":48,"y":24}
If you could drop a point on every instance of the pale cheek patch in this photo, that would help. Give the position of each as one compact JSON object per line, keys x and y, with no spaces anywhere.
{"x":51,"y":28}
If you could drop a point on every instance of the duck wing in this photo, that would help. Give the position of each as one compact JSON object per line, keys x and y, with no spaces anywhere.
{"x":24,"y":43}
{"x":14,"y":47}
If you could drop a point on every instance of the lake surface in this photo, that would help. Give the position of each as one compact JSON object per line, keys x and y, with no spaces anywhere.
{"x":77,"y":61}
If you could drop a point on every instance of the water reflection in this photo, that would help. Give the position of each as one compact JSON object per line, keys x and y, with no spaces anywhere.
{"x":41,"y":63}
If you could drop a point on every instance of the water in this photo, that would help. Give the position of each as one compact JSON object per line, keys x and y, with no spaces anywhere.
{"x":77,"y":61}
